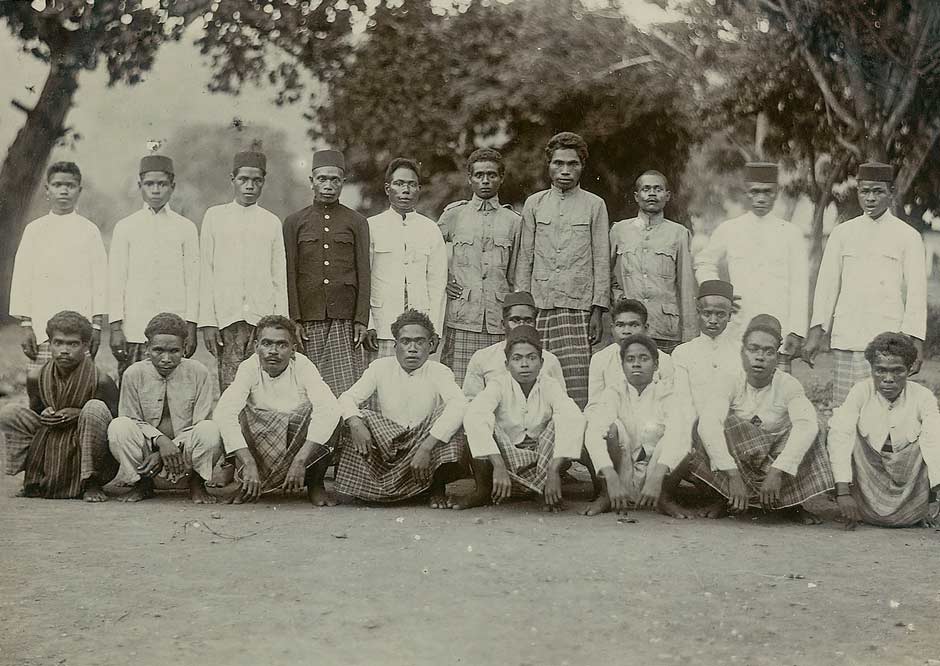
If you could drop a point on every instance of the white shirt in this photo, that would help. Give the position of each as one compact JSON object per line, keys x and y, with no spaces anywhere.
{"x":244,"y":266}
{"x":154,"y":268}
{"x":606,"y":369}
{"x":773,"y":404}
{"x":768,"y":263}
{"x":866,"y":415}
{"x":405,"y":254}
{"x":280,"y":394}
{"x":489,"y":362}
{"x":60,"y":265}
{"x":409,"y":398}
{"x":502,"y":403}
{"x":701,"y":364}
{"x":872,"y":279}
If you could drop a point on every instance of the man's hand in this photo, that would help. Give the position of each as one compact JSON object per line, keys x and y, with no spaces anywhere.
{"x":616,"y":491}
{"x":739,"y":492}
{"x":792,"y":344}
{"x":171,"y":456}
{"x":151,"y":466}
{"x":58,"y":418}
{"x":552,"y":492}
{"x":813,"y":345}
{"x":118,"y":342}
{"x":849,"y":508}
{"x":251,"y":481}
{"x":29,"y":345}
{"x":453,"y":289}
{"x":652,"y":487}
{"x":95,"y":342}
{"x":919,"y":361}
{"x":502,"y":484}
{"x":212,"y":339}
{"x":360,"y":435}
{"x":189,"y":347}
{"x":770,"y":488}
{"x":371,"y":340}
{"x":359,"y":334}
{"x":421,"y":460}
{"x":596,"y":327}
{"x":295,"y":480}
{"x":299,"y":332}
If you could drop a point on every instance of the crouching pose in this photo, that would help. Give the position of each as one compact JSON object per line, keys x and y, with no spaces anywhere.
{"x":631,"y":435}
{"x":760,"y":445}
{"x":521,"y":428}
{"x":61,"y":439}
{"x":407,"y":446}
{"x":279,"y":418}
{"x":163,"y":428}
{"x":884,"y":441}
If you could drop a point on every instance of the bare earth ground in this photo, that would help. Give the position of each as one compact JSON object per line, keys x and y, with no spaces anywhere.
{"x":165,"y":582}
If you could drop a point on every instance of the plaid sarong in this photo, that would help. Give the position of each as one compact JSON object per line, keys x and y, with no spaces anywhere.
{"x":565,"y":334}
{"x":848,"y":369}
{"x":458,"y":346}
{"x":754,"y":450}
{"x":329,"y":345}
{"x":891,"y":489}
{"x":386,"y":348}
{"x":528,"y":461}
{"x":238,"y":341}
{"x":385,"y":476}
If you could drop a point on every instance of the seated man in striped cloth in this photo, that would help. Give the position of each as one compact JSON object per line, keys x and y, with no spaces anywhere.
{"x":631,"y":429}
{"x":278,"y":417}
{"x":521,"y":428}
{"x":61,"y":439}
{"x":408,"y":446}
{"x":884,"y":441}
{"x":759,"y":437}
{"x":518,"y":310}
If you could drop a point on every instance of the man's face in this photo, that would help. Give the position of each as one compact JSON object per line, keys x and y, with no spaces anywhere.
{"x":275,"y":348}
{"x":638,"y":366}
{"x":564,"y":168}
{"x":327,"y":184}
{"x":524,"y":362}
{"x":485,"y":179}
{"x":759,"y":355}
{"x":874,"y":197}
{"x":248,"y":183}
{"x":627,"y":323}
{"x":156,"y":187}
{"x":714,"y":313}
{"x":68,"y":349}
{"x":402,"y":190}
{"x":166,"y":353}
{"x":889,"y":372}
{"x":62,"y":190}
{"x":517,"y":315}
{"x":652,"y":194}
{"x":412,"y":346}
{"x":761,"y":197}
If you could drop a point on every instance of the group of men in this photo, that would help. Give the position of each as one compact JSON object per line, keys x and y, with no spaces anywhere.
{"x":695,"y":385}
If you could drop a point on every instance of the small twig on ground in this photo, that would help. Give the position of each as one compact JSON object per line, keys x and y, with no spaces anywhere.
{"x":199,"y":524}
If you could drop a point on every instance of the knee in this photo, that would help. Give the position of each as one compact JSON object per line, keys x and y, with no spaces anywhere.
{"x":96,"y":408}
{"x":9,"y":413}
{"x":122,"y":430}
{"x":206,"y":434}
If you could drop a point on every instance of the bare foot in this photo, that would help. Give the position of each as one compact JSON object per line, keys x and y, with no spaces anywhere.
{"x":801,"y":516}
{"x":440,"y":500}
{"x":227,"y":494}
{"x":472,"y":500}
{"x":717,"y":509}
{"x":550,"y":508}
{"x":140,"y":491}
{"x":94,"y":493}
{"x":31,"y":491}
{"x":671,"y":508}
{"x":197,"y":491}
{"x":598,"y":506}
{"x":318,"y":495}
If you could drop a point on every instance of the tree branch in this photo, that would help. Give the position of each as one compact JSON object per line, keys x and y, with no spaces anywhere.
{"x":16,"y":104}
{"x":913,"y":78}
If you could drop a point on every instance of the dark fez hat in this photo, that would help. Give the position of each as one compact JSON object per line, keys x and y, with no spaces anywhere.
{"x":156,"y":163}
{"x":518,"y":298}
{"x":877,"y":171}
{"x":766,"y":323}
{"x":333,"y":158}
{"x":761,"y":172}
{"x":716,"y":288}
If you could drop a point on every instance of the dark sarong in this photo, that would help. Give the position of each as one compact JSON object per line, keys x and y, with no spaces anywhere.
{"x":565,"y":333}
{"x":459,"y":346}
{"x":329,"y":345}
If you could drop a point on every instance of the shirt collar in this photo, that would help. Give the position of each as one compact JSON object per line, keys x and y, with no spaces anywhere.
{"x":166,"y":210}
{"x":484,"y":204}
{"x":647,"y":221}
{"x":245,"y":209}
{"x":564,"y":194}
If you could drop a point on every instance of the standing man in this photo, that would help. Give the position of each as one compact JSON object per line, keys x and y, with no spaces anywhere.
{"x":652,"y":263}
{"x":244,"y":274}
{"x":767,"y":260}
{"x":328,"y":279}
{"x":872,"y":279}
{"x":154,"y":266}
{"x":564,"y":261}
{"x":60,"y":265}
{"x":408,"y":259}
{"x":483,"y":235}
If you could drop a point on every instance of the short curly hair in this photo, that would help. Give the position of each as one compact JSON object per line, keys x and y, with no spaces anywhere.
{"x":63,"y":167}
{"x":279,"y":322}
{"x":167,"y":323}
{"x":564,"y":140}
{"x":486,"y":155}
{"x":629,"y":305}
{"x":402,"y":163}
{"x":412,"y":316}
{"x":70,"y":323}
{"x":893,"y":344}
{"x":640,"y":339}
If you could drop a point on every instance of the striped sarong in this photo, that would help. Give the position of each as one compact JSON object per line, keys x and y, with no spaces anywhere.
{"x":754,"y":450}
{"x":848,"y":369}
{"x":528,"y":461}
{"x":329,"y":345}
{"x":891,"y":489}
{"x":385,"y":476}
{"x":565,"y":333}
{"x":458,"y":346}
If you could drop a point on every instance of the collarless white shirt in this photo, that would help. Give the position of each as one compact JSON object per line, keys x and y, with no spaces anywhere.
{"x":606,"y":369}
{"x":490,"y":362}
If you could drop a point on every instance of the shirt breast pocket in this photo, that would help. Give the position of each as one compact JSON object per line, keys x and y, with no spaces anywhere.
{"x":464,"y":240}
{"x":666,"y":264}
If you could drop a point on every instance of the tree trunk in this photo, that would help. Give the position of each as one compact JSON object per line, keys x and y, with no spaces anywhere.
{"x":836,"y":173}
{"x":23,"y":168}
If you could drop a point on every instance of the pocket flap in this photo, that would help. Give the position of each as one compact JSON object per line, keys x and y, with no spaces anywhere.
{"x":671,"y":309}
